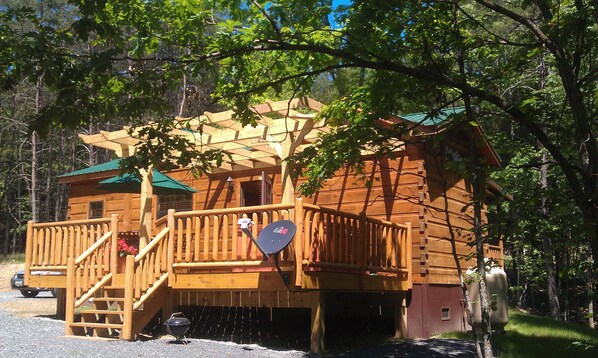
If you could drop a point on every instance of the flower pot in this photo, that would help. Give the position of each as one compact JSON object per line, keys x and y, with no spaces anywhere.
{"x":121,"y":264}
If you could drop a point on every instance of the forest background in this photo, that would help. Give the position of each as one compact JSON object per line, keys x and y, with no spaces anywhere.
{"x":529,"y":69}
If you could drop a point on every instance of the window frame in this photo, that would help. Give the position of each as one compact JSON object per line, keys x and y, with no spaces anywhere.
{"x":91,"y":210}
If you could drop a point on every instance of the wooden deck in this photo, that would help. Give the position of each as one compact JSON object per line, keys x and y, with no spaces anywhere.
{"x":210,"y":243}
{"x":204,"y":255}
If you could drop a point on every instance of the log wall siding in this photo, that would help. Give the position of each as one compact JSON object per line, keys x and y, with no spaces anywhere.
{"x":449,"y":217}
{"x":392,"y":196}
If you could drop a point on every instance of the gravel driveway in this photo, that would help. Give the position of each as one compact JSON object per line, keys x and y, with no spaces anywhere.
{"x":36,"y":336}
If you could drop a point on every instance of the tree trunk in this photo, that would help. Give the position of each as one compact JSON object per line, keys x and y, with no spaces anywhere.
{"x":33,"y":185}
{"x":591,"y":293}
{"x":48,"y":191}
{"x":553,"y":297}
{"x":481,"y":266}
{"x":477,"y":183}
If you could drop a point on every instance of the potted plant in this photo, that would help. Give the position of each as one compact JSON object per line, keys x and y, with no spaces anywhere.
{"x":124,"y":249}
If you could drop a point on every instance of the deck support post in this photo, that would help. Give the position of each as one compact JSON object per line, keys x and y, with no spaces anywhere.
{"x":145,"y":218}
{"x":28,"y":252}
{"x":170,"y":247}
{"x":168,"y":306}
{"x":113,"y":242}
{"x":298,"y":241}
{"x":126,"y":332}
{"x":318,"y":314}
{"x":288,"y":189}
{"x":61,"y":303}
{"x":400,"y":317}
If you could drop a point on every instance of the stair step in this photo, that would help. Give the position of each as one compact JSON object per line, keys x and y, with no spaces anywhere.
{"x":109,"y":299}
{"x":97,"y":325}
{"x":104,"y":312}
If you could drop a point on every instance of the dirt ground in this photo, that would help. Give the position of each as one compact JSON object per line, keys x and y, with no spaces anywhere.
{"x":42,"y":305}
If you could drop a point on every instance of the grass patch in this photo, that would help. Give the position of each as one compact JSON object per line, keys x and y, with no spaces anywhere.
{"x":12,"y":259}
{"x":527,"y":335}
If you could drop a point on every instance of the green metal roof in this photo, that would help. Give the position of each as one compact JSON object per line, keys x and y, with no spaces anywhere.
{"x":111,"y":165}
{"x":129,"y":183}
{"x":425,"y":118}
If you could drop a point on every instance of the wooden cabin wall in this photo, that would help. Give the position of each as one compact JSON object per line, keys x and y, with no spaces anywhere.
{"x":125,"y":205}
{"x":394,"y":195}
{"x":448,"y":219}
{"x":406,"y":189}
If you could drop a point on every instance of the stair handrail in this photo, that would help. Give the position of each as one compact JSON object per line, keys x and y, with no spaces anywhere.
{"x":141,"y":277}
{"x":82,"y":272}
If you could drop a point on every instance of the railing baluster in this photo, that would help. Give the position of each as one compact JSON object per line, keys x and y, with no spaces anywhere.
{"x":197,"y":225}
{"x":53,"y":257}
{"x":225,"y":238}
{"x":188,"y":240}
{"x":206,"y":237}
{"x":244,"y":243}
{"x":255,"y":219}
{"x":46,"y":243}
{"x":179,"y":241}
{"x":235,"y":238}
{"x":215,"y":238}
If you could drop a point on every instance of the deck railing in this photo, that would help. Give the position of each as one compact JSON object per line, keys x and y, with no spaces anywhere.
{"x":49,"y":245}
{"x":494,"y":252}
{"x":345,"y":242}
{"x":90,"y":271}
{"x":326,"y":240}
{"x":212,"y":238}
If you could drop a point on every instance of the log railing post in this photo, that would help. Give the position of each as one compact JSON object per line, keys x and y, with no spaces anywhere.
{"x":126,"y":332}
{"x":113,"y":242}
{"x":362,"y":242}
{"x":408,"y":254}
{"x":298,"y":243}
{"x":28,"y":251}
{"x":170,"y":246}
{"x":70,"y":296}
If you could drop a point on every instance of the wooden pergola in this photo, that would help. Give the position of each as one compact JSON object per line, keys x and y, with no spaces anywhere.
{"x":282,"y":129}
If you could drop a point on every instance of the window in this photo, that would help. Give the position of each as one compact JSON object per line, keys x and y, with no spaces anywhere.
{"x":257,"y":192}
{"x":445,"y":314}
{"x":96,"y":210}
{"x":177,"y":202}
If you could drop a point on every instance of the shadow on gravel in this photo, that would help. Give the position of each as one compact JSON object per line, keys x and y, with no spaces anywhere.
{"x":284,"y":329}
{"x":435,"y":348}
{"x":49,"y":316}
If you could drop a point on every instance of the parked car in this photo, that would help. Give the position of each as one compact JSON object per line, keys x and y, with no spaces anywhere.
{"x":17,"y":283}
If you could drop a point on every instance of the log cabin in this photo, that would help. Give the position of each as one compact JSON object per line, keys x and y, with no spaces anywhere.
{"x":394,"y":243}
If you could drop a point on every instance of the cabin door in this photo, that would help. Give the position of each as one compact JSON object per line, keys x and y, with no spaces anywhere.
{"x":257,"y":192}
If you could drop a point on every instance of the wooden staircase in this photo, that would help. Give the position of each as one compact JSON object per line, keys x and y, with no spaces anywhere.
{"x":104,"y":318}
{"x":114,"y":305}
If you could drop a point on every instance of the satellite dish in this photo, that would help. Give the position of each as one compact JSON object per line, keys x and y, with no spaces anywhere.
{"x":272,"y":240}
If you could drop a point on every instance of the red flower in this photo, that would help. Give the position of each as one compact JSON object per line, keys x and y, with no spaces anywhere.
{"x":125,"y":249}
